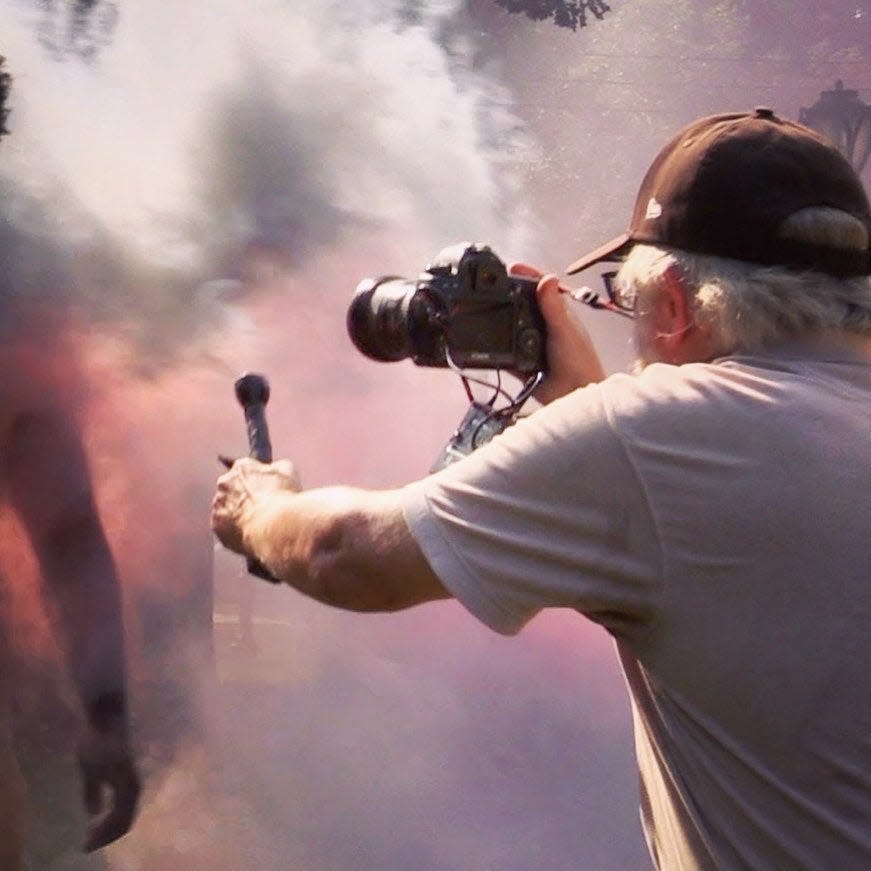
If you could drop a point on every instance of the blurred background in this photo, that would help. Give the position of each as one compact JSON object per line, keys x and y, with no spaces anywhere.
{"x":194,"y":190}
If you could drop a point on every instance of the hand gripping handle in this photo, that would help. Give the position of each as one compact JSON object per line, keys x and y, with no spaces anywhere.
{"x":252,"y":391}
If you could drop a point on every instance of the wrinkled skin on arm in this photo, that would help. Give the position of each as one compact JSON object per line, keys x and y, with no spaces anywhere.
{"x":345,"y":547}
{"x":47,"y":483}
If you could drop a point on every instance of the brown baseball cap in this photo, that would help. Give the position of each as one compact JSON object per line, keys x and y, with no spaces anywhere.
{"x":724,"y":185}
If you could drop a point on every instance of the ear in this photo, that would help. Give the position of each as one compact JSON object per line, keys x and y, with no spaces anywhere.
{"x":672,"y":318}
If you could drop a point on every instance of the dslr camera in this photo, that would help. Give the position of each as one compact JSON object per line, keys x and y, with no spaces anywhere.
{"x":463,"y":312}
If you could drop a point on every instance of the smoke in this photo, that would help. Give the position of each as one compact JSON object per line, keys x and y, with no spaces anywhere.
{"x":134,"y":184}
{"x":199,"y":196}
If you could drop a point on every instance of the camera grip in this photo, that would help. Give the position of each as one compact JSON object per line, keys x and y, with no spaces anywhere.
{"x":252,"y":392}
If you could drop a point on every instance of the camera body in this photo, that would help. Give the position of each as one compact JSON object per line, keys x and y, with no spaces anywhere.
{"x":464,"y":311}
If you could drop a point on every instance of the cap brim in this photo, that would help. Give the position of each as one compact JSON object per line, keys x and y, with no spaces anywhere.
{"x":612,"y":250}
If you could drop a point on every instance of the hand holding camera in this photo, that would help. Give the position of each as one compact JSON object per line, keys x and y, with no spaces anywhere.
{"x":463,"y":312}
{"x":573,"y":361}
{"x":468,"y":311}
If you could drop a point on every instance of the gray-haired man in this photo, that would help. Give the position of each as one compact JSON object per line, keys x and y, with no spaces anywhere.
{"x":711,"y":510}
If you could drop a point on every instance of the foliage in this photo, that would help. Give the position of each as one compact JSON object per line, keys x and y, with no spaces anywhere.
{"x":77,"y":27}
{"x":571,"y":14}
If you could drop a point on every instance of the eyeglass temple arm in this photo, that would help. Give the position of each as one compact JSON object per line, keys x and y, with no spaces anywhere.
{"x":590,"y":297}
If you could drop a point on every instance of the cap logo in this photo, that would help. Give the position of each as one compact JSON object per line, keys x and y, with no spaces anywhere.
{"x":654,"y":209}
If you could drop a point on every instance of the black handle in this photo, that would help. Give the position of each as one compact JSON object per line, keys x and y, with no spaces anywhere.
{"x":252,"y":391}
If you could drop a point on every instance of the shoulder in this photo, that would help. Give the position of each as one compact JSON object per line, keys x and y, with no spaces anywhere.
{"x":661,"y":385}
{"x":678,"y":394}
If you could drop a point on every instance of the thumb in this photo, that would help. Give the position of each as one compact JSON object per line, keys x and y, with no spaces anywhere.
{"x":288,"y":470}
{"x":552,"y":303}
{"x":524,"y":269}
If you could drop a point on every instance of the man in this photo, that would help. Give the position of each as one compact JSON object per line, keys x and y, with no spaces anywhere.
{"x":711,"y":511}
{"x":45,"y":481}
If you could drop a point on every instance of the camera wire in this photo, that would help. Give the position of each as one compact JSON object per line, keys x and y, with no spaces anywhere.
{"x":467,"y":379}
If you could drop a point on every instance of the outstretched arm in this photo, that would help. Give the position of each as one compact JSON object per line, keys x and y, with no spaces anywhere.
{"x":342,"y":546}
{"x":49,"y":486}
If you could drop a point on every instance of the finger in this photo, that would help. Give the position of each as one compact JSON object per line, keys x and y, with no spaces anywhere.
{"x":524,"y":269}
{"x":119,"y":818}
{"x":104,"y":831}
{"x":238,"y":470}
{"x":551,"y":300}
{"x":217,"y":506}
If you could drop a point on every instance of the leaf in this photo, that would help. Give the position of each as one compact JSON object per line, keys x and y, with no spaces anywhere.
{"x":571,"y":14}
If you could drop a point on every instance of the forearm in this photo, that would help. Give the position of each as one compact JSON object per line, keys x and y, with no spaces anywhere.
{"x":344,"y":547}
{"x":49,"y":486}
{"x":82,"y":590}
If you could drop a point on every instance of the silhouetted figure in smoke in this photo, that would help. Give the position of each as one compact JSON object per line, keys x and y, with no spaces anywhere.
{"x":572,"y":14}
{"x":45,"y":483}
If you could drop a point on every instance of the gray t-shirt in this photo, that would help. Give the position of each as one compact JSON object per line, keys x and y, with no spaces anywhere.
{"x":716,"y":519}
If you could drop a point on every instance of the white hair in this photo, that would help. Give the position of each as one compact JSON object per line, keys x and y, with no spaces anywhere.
{"x":746,"y":306}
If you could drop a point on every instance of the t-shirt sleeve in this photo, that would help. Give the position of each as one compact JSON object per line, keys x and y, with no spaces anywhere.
{"x":551,"y":513}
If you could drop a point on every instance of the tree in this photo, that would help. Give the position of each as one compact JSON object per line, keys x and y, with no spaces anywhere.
{"x":5,"y":85}
{"x":571,"y":14}
{"x":77,"y":27}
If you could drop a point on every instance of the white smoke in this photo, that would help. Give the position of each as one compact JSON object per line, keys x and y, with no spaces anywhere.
{"x":365,"y":115}
{"x":343,"y":132}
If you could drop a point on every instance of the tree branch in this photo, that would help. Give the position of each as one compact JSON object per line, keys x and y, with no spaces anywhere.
{"x":565,"y":13}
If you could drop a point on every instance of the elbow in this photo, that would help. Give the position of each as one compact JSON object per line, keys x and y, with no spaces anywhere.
{"x":339,"y":584}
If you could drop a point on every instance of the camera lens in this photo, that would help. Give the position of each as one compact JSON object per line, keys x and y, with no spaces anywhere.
{"x":378,"y":318}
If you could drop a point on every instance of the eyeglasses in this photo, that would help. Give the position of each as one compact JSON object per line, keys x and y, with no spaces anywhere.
{"x":623,"y":296}
{"x":621,"y":299}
